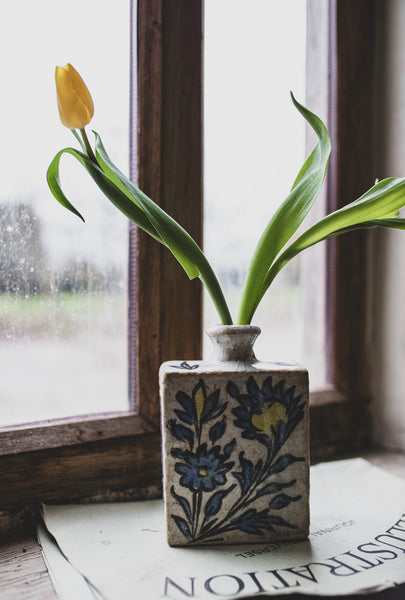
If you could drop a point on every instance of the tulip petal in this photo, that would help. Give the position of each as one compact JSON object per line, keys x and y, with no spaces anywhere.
{"x":75,"y":103}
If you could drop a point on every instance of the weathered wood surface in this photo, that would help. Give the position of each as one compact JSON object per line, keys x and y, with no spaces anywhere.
{"x":169,"y":170}
{"x":351,"y":173}
{"x":23,"y":573}
{"x":70,"y":432}
{"x":130,"y":466}
{"x":333,"y":431}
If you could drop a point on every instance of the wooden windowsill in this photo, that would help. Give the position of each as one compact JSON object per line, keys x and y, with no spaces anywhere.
{"x":24,"y":574}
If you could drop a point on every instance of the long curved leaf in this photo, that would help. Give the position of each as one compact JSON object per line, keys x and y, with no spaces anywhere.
{"x":180,"y":243}
{"x":289,"y":215}
{"x":176,"y":238}
{"x":111,"y":170}
{"x":386,"y":197}
{"x":108,"y":187}
{"x":140,"y":209}
{"x":373,"y":224}
{"x":52,"y":177}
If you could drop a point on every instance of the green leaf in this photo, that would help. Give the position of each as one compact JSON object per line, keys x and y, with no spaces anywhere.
{"x":174,"y":236}
{"x":140,"y":209}
{"x":180,"y":243}
{"x":111,"y":170}
{"x":52,"y":177}
{"x":108,"y":187}
{"x":390,"y":223}
{"x":288,"y":217}
{"x":79,"y":139}
{"x":385,"y":198}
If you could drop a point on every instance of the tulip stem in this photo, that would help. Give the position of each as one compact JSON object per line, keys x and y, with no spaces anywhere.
{"x":89,"y":149}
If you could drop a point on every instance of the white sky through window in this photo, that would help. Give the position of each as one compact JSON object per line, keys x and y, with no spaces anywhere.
{"x":62,"y":335}
{"x":255,"y":53}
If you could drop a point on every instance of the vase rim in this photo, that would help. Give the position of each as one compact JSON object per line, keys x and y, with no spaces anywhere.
{"x":233,"y":329}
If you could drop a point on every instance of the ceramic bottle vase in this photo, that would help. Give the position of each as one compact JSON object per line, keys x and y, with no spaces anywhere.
{"x":235,"y":445}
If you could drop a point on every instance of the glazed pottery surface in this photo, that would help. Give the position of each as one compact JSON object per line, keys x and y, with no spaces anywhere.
{"x":235,"y":445}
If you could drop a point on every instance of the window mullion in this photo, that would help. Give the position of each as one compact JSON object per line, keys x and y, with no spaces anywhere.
{"x":169,"y":306}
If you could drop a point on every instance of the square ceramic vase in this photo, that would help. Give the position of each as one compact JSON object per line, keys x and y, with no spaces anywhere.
{"x":235,"y":446}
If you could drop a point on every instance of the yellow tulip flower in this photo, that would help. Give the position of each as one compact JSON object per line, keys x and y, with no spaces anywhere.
{"x":75,"y":103}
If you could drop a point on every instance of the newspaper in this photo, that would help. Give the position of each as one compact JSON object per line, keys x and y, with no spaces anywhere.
{"x":356,"y":546}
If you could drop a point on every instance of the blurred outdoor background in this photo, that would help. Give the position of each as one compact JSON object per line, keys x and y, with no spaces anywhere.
{"x":63,"y":294}
{"x":63,"y":326}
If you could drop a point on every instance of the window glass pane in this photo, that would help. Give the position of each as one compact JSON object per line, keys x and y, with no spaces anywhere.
{"x":255,"y":144}
{"x":63,"y":348}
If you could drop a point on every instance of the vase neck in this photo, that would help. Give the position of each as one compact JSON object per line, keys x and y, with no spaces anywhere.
{"x":234,"y":342}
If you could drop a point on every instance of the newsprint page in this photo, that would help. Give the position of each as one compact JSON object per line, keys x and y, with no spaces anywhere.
{"x":119,"y":551}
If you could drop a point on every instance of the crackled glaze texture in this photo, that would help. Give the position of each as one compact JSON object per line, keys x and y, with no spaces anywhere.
{"x":235,"y":446}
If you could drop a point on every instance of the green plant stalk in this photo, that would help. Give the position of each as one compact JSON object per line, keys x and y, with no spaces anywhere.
{"x":88,"y":146}
{"x":149,"y":217}
{"x":288,"y":216}
{"x":378,"y":207}
{"x":367,"y":212}
{"x":211,"y":283}
{"x":170,"y":228}
{"x":292,"y":251}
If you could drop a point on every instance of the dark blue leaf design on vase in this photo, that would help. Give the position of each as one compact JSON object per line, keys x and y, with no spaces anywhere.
{"x":181,"y":433}
{"x":232,"y":389}
{"x":280,"y":522}
{"x":283,"y":462}
{"x":244,"y":399}
{"x":186,"y":403}
{"x":214,"y":504}
{"x":184,"y":365}
{"x":245,"y":477}
{"x":182,"y":525}
{"x":274,"y":487}
{"x":254,"y":391}
{"x":217,"y":430}
{"x":253,"y":522}
{"x":265,"y":414}
{"x":283,"y":500}
{"x":184,"y":503}
{"x":184,"y":416}
{"x":213,"y":407}
{"x":229,"y":448}
{"x":258,"y":469}
{"x":208,"y":524}
{"x":177,"y":453}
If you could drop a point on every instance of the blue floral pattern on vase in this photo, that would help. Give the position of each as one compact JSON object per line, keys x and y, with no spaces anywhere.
{"x":204,"y":470}
{"x":209,"y":471}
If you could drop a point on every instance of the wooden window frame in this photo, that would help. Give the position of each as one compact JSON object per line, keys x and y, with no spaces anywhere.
{"x":341,"y":419}
{"x":118,"y":456}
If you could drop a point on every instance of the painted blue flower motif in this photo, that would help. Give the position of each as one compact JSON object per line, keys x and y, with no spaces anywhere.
{"x":267,"y":414}
{"x":203,"y":470}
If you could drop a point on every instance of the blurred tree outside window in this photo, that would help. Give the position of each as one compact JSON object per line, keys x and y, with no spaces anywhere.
{"x":63,"y":284}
